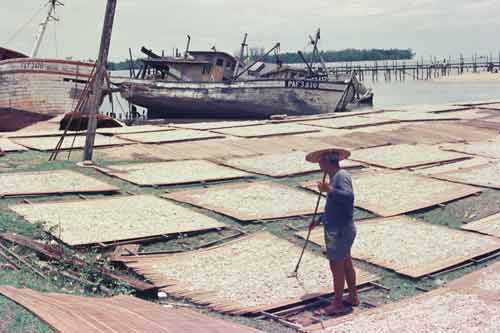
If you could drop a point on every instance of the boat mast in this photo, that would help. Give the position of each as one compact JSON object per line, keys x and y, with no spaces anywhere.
{"x":242,"y":53}
{"x":51,"y":15}
{"x":188,"y":44}
{"x":275,"y":47}
{"x":314,"y":42}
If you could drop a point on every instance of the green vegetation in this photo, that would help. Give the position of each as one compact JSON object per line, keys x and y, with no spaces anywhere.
{"x":123,"y":65}
{"x":347,"y":55}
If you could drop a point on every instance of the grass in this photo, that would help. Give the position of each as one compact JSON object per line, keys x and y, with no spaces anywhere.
{"x":458,"y":212}
{"x":10,"y":222}
{"x":15,"y":319}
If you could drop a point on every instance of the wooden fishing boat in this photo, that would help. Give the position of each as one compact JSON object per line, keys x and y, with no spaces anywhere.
{"x":259,"y":98}
{"x":36,"y":87}
{"x":212,"y":84}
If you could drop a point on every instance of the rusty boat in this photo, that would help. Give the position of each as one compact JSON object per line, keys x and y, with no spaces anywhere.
{"x":214,"y":84}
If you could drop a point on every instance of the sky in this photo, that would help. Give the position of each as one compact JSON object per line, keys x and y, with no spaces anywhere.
{"x":439,"y":28}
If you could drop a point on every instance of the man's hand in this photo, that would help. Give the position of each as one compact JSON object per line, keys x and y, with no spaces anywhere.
{"x":324,"y":187}
{"x":314,"y":224}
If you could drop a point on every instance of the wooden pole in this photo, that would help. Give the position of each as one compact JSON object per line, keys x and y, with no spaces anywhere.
{"x":96,"y":93}
{"x":242,"y":54}
{"x":132,"y":67}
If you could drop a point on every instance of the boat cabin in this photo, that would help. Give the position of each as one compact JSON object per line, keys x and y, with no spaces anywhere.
{"x":196,"y":66}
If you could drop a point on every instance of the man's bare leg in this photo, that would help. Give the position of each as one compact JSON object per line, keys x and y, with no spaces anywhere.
{"x":350,"y":277}
{"x":337,"y":306}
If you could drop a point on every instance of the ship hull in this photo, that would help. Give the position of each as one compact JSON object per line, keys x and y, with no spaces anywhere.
{"x":240,"y":99}
{"x":42,"y":86}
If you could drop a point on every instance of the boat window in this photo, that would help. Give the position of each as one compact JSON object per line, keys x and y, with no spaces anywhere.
{"x":220,"y":62}
{"x":228,"y":64}
{"x":205,"y":69}
{"x":67,"y":79}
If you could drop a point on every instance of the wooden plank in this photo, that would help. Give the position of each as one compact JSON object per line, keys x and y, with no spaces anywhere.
{"x":213,"y":125}
{"x":8,"y":146}
{"x":356,"y":140}
{"x":421,"y":116}
{"x":53,"y":254}
{"x":418,"y":134}
{"x":113,"y":219}
{"x":235,"y":281}
{"x":170,"y":136}
{"x":485,"y":281}
{"x":487,"y":148}
{"x":469,"y":114}
{"x":404,"y":156}
{"x":434,"y":132}
{"x":489,"y":225}
{"x":133,"y":152}
{"x":457,"y":131}
{"x":133,"y":129}
{"x":454,"y":166}
{"x":466,"y":304}
{"x":432,"y":108}
{"x":393,"y":193}
{"x":436,"y":311}
{"x":484,"y":175}
{"x":411,"y":247}
{"x":49,"y":182}
{"x":170,"y":173}
{"x":280,"y":165}
{"x":352,"y":122}
{"x":492,"y":106}
{"x":68,"y":313}
{"x":23,"y":133}
{"x":495,"y":118}
{"x":278,"y":145}
{"x":49,"y":143}
{"x":208,"y":149}
{"x":267,"y":130}
{"x":478,"y":103}
{"x":250,"y":202}
{"x":484,"y":123}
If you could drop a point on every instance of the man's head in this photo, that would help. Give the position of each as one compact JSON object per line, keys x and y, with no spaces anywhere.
{"x":330,"y":162}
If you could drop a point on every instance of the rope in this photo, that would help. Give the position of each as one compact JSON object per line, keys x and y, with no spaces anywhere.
{"x":81,"y":103}
{"x":25,"y":25}
{"x":120,"y":105}
{"x":55,"y":40}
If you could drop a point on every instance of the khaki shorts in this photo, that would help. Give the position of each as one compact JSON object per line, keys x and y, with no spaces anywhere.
{"x":339,"y":241}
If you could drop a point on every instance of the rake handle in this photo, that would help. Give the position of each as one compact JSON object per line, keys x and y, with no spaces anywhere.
{"x":309,"y":232}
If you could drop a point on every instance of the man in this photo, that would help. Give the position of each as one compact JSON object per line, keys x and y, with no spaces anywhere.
{"x":339,"y":228}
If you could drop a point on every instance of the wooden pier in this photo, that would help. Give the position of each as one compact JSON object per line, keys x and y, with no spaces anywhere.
{"x":401,"y":70}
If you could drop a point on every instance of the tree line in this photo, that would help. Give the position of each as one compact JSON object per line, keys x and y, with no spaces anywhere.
{"x":346,"y":55}
{"x":123,"y":65}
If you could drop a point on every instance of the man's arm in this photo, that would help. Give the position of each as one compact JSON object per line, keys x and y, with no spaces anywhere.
{"x":342,"y":196}
{"x":317,"y":220}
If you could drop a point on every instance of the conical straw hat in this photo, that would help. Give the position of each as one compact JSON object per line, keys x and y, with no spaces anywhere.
{"x":316,"y":156}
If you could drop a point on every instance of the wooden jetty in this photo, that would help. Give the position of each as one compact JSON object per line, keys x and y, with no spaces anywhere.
{"x":401,"y":70}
